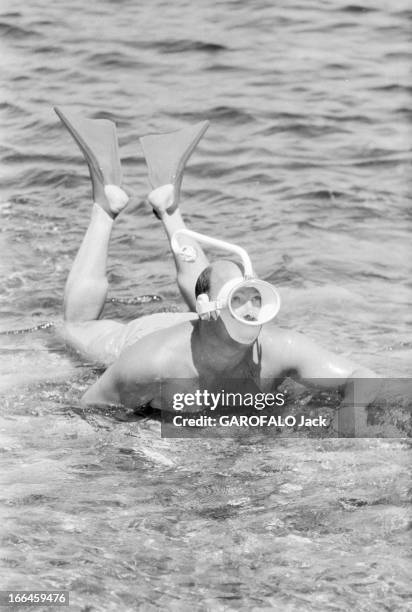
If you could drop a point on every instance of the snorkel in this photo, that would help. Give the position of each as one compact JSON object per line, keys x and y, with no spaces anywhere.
{"x":259,"y":301}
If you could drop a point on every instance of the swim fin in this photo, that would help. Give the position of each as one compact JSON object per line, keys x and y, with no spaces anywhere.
{"x":97,"y":140}
{"x":167,"y":154}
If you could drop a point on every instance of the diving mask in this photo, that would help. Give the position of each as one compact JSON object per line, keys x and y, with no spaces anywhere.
{"x":249,"y":300}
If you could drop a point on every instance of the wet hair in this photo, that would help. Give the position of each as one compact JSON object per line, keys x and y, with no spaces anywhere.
{"x":204,"y":279}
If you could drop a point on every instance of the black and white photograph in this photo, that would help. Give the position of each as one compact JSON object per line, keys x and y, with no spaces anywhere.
{"x":205,"y":306}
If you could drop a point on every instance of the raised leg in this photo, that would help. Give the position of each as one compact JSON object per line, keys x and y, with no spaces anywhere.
{"x":86,"y":286}
{"x":166,"y":157}
{"x":162,"y":199}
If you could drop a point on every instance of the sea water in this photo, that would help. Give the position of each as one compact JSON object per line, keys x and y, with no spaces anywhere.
{"x":306,"y":164}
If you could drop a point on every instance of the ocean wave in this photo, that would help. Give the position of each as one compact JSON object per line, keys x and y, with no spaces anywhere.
{"x":19,"y":158}
{"x":175,"y":45}
{"x":114,"y":59}
{"x":44,"y":177}
{"x":398,"y":87}
{"x":230,"y":113}
{"x":14,"y":32}
{"x":52,"y":49}
{"x":216,"y":68}
{"x":321,"y":194}
{"x":11,"y":15}
{"x":13,"y":109}
{"x":184,"y":45}
{"x":356,"y":9}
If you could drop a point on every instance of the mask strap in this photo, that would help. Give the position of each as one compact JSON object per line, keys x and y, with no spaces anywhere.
{"x":188,"y":253}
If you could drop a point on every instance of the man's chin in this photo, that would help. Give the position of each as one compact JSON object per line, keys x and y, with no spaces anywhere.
{"x":241,"y":332}
{"x":249,"y":336}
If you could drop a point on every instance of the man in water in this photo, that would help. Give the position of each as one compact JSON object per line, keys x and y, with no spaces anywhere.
{"x":228,"y":344}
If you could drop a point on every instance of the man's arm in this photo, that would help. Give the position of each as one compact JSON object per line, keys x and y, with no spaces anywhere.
{"x":105,"y":390}
{"x":131,"y":381}
{"x":292,"y":353}
{"x":314,"y":365}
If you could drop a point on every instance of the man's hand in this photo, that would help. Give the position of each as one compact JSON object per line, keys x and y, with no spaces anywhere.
{"x":312,"y":365}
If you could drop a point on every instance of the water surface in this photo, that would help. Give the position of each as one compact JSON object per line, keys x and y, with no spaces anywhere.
{"x":307,"y":164}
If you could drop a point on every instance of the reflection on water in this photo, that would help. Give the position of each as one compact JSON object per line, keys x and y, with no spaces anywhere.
{"x":306,"y":164}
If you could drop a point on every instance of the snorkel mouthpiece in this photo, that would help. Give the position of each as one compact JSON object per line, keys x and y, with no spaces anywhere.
{"x":249,"y":300}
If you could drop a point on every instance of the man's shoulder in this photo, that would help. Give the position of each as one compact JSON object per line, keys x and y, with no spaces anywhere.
{"x":287,"y":342}
{"x":276,"y":337}
{"x":174,"y":340}
{"x":279,"y":349}
{"x":167,"y":336}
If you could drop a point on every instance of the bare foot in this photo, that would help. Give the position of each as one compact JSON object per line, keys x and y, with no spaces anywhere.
{"x":162,"y":199}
